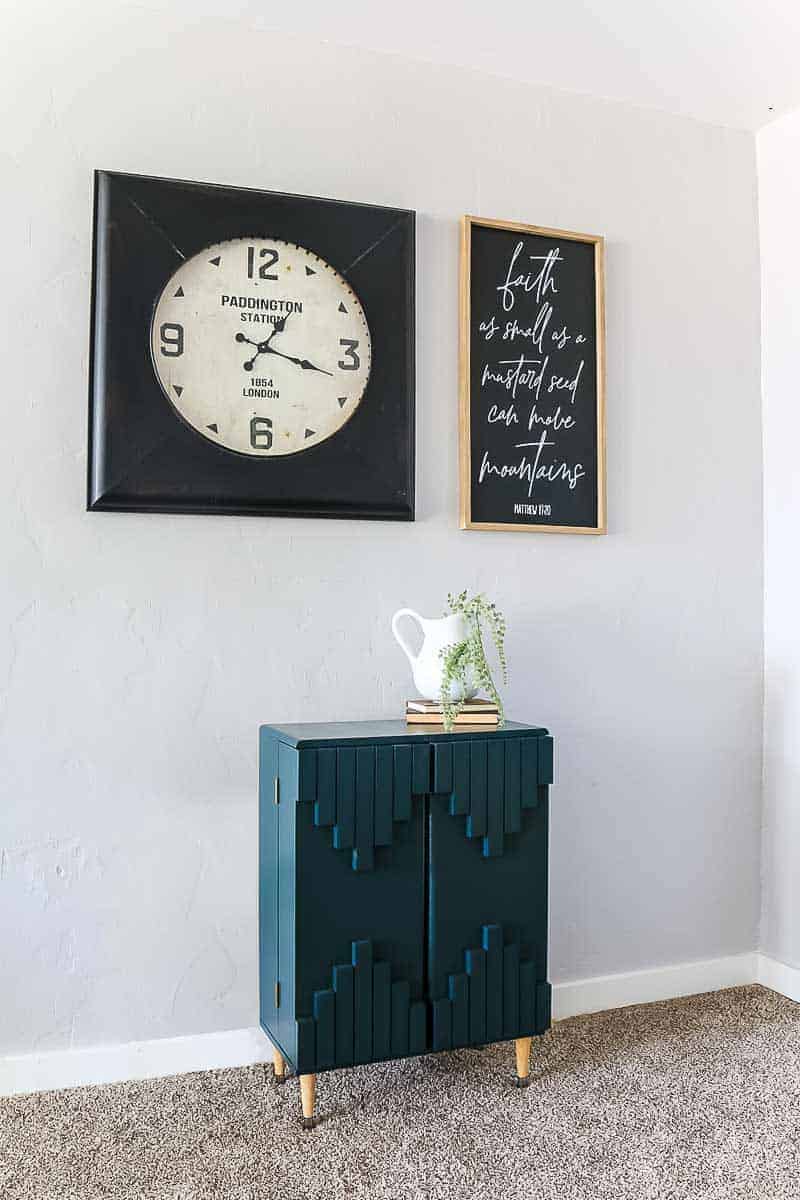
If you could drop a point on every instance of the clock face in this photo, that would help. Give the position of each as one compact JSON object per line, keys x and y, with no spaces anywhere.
{"x":261,"y":346}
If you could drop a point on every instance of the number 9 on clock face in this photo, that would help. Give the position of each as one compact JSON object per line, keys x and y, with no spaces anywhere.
{"x":261,"y":346}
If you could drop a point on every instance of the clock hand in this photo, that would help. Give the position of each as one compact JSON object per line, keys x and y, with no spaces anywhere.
{"x":309,"y":366}
{"x":249,"y":363}
{"x":279,"y":326}
{"x":300,"y":362}
{"x":263,"y":347}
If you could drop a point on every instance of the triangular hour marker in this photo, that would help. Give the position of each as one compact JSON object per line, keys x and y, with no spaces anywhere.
{"x":213,"y":428}
{"x":342,"y":401}
{"x":310,"y":432}
{"x":342,"y":308}
{"x":177,"y":389}
{"x":215,"y":261}
{"x":310,"y":271}
{"x":179,"y":292}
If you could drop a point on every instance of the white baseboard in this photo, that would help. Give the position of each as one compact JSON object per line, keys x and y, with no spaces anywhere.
{"x":779,"y":976}
{"x":132,"y":1060}
{"x":603,"y":992}
{"x":241,"y":1047}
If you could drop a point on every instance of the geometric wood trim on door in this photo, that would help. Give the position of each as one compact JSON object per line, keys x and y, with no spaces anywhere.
{"x":496,"y":997}
{"x":358,"y":792}
{"x":491,"y":781}
{"x":363,"y":1017}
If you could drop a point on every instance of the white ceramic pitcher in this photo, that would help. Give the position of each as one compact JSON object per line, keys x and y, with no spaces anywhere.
{"x":426,"y":666}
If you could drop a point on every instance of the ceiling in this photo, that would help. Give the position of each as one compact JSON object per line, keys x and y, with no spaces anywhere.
{"x":729,"y":62}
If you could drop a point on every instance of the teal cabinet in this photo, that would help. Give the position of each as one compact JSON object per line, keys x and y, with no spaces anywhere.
{"x":402,"y":891}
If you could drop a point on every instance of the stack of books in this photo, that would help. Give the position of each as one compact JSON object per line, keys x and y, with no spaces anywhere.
{"x":430,"y":712}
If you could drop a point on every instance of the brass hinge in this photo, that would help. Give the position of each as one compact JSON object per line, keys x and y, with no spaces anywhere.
{"x":277,"y":792}
{"x":277,"y":995}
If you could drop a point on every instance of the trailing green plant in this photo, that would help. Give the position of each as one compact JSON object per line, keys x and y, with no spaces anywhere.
{"x":464,"y":664}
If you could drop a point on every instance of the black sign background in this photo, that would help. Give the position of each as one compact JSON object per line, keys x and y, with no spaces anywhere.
{"x":534,"y":450}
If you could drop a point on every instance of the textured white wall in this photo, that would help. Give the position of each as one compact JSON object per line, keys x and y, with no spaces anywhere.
{"x":779,"y":202}
{"x":138,"y":654}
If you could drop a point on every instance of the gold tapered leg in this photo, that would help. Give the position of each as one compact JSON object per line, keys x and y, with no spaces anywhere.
{"x":308,"y":1092}
{"x":278,"y":1065}
{"x":522,"y":1047}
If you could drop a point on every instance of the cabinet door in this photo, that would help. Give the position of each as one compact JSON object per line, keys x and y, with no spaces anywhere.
{"x":487,"y":920}
{"x":360,"y":904}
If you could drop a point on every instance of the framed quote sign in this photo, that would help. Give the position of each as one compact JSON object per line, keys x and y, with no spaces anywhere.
{"x":532,"y":418}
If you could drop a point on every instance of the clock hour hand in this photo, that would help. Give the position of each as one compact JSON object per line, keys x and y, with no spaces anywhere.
{"x":278,"y":327}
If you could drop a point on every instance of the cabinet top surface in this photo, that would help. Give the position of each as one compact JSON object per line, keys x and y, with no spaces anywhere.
{"x":317,"y":734}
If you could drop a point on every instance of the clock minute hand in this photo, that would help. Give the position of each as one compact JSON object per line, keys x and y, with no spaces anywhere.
{"x":266,"y":348}
{"x":300,"y":362}
{"x":308,"y":366}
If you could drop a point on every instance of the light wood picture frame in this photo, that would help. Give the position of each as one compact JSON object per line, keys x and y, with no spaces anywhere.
{"x":467,"y":519}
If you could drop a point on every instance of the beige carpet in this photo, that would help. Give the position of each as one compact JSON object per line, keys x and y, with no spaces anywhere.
{"x":690,"y":1098}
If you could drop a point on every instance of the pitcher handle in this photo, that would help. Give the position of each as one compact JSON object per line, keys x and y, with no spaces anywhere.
{"x":401,"y":641}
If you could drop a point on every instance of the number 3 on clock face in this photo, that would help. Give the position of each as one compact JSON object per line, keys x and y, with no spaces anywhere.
{"x":261,"y":346}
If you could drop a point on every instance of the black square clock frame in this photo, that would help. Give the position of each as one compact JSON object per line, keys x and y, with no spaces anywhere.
{"x":143,"y":457}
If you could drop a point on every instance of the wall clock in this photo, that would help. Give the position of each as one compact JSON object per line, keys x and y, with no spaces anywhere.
{"x":252,"y":352}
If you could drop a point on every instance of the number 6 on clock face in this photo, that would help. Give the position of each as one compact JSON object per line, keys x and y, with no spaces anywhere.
{"x":261,"y":346}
